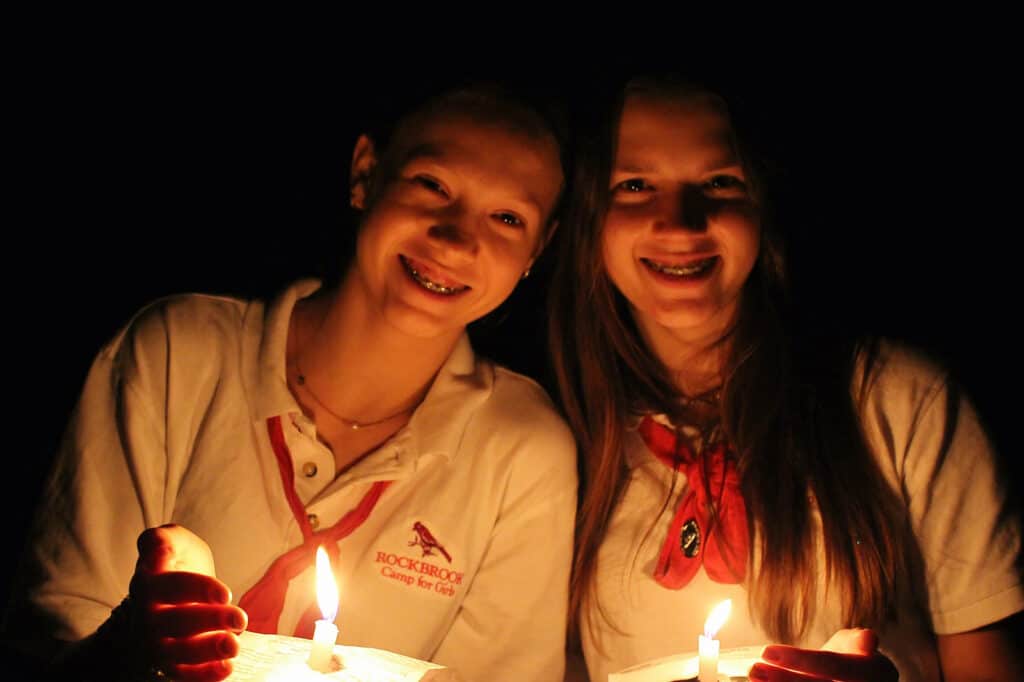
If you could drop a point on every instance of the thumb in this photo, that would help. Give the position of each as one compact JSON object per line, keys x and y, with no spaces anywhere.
{"x":862,"y":641}
{"x":156,"y":550}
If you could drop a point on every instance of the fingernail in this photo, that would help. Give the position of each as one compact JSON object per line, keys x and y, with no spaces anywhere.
{"x":757,"y":674}
{"x":239,"y":620}
{"x":219,"y":595}
{"x":771,"y":654}
{"x":227,"y":648}
{"x":147,"y":541}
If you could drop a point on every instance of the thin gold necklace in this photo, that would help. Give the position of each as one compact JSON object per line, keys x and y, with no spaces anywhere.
{"x":300,"y":379}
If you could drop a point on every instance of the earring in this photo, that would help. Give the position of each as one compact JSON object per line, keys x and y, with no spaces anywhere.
{"x":526,"y":273}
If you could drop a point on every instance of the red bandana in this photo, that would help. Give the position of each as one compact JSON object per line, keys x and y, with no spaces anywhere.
{"x":691,"y":540}
{"x":265,"y":600}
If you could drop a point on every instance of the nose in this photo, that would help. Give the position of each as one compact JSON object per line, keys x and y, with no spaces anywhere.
{"x":455,"y":233}
{"x":687,"y":208}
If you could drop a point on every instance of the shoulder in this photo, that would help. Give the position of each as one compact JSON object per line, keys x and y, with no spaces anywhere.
{"x":180,"y":337}
{"x":181,"y":320}
{"x":899,"y":374}
{"x":519,"y":402}
{"x":519,"y":414}
{"x":915,"y":416}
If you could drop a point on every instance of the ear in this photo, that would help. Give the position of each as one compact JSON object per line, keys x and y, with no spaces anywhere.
{"x":364,"y":162}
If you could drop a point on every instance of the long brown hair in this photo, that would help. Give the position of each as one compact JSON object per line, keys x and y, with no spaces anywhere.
{"x":788,"y":414}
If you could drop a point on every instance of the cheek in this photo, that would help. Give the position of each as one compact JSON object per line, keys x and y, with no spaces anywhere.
{"x":506,"y":260}
{"x":616,"y":252}
{"x":383,"y":225}
{"x":742,"y":233}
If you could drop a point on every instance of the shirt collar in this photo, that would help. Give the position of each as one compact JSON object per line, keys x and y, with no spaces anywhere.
{"x":436,"y":427}
{"x":636,"y":451}
{"x":265,"y":345}
{"x":460,"y":387}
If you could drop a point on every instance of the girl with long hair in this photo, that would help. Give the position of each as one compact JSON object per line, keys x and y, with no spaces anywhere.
{"x":841,"y":487}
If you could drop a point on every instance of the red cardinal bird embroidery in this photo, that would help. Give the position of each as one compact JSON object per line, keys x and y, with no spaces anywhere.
{"x":425,"y":539}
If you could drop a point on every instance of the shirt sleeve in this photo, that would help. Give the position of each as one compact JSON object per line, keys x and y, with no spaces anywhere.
{"x":512,"y":623}
{"x":959,"y":504}
{"x":106,"y":487}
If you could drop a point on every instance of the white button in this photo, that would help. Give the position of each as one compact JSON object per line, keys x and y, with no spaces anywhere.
{"x":309,"y":469}
{"x":314,"y":521}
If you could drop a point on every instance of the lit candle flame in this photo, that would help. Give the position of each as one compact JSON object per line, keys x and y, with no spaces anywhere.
{"x":326,"y":588}
{"x":716,"y":619}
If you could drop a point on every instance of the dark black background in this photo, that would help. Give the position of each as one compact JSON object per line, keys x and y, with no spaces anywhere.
{"x":148,"y":170}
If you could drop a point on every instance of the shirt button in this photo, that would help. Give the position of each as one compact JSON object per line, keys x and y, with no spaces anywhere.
{"x":309,"y":469}
{"x":314,"y":521}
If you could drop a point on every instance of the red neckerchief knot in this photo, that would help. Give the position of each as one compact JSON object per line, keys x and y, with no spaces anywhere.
{"x":692,"y":540}
{"x":264,"y":601}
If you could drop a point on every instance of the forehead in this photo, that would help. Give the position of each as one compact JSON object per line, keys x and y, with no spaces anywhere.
{"x":673,"y":126}
{"x":507,"y":155}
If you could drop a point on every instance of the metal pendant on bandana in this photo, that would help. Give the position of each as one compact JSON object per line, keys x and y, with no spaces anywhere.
{"x":689,"y":538}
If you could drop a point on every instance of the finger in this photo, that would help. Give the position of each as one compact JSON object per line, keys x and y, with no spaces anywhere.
{"x":186,"y":620}
{"x":761,"y":672}
{"x":213,"y":671}
{"x":173,"y":548}
{"x":205,"y":648}
{"x":155,"y":550}
{"x":863,"y":641}
{"x":830,"y":665}
{"x":179,"y":587}
{"x":852,"y":641}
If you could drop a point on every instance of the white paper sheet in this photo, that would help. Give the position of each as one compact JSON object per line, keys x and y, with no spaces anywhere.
{"x":732,"y":663}
{"x":277,"y":658}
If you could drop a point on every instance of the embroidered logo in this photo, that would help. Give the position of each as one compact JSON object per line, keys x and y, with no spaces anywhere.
{"x":426,"y":540}
{"x":420,"y":563}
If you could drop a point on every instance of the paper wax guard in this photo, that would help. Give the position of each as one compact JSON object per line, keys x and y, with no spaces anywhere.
{"x":733,"y":665}
{"x":279,"y":658}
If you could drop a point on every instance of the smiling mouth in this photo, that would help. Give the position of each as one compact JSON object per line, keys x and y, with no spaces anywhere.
{"x":427,"y":283}
{"x":689,"y":270}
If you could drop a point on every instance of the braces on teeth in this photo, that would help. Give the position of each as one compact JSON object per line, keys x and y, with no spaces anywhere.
{"x":681,"y":269}
{"x":431,"y":286}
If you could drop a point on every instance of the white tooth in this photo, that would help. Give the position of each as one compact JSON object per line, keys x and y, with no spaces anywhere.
{"x":681,"y":270}
{"x":430,"y":285}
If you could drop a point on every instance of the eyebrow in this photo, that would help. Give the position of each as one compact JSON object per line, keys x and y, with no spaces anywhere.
{"x":431,"y":151}
{"x":421,"y":151}
{"x":630,"y":168}
{"x":727,"y":160}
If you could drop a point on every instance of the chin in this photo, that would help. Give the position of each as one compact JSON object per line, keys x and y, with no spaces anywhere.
{"x":694,"y":321}
{"x":423,"y":326}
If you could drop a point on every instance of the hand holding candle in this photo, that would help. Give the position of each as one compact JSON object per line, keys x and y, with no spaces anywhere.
{"x":325,"y":633}
{"x":178,"y":617}
{"x":850,"y":654}
{"x":708,"y":645}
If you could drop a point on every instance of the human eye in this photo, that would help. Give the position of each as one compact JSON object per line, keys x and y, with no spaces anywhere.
{"x":509,"y":218}
{"x":726,"y":184}
{"x":632,"y":186}
{"x":431,"y":184}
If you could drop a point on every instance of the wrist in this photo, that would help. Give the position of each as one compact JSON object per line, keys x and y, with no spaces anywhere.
{"x":115,"y":652}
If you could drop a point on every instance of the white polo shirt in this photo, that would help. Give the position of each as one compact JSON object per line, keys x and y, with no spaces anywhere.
{"x":172,"y":426}
{"x":957,"y":506}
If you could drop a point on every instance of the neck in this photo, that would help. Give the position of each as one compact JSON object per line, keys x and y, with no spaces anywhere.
{"x":355,"y":363}
{"x":695,"y":358}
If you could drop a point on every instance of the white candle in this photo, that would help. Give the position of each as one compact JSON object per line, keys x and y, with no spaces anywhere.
{"x":707,"y":645}
{"x":707,"y":648}
{"x":325,"y":632}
